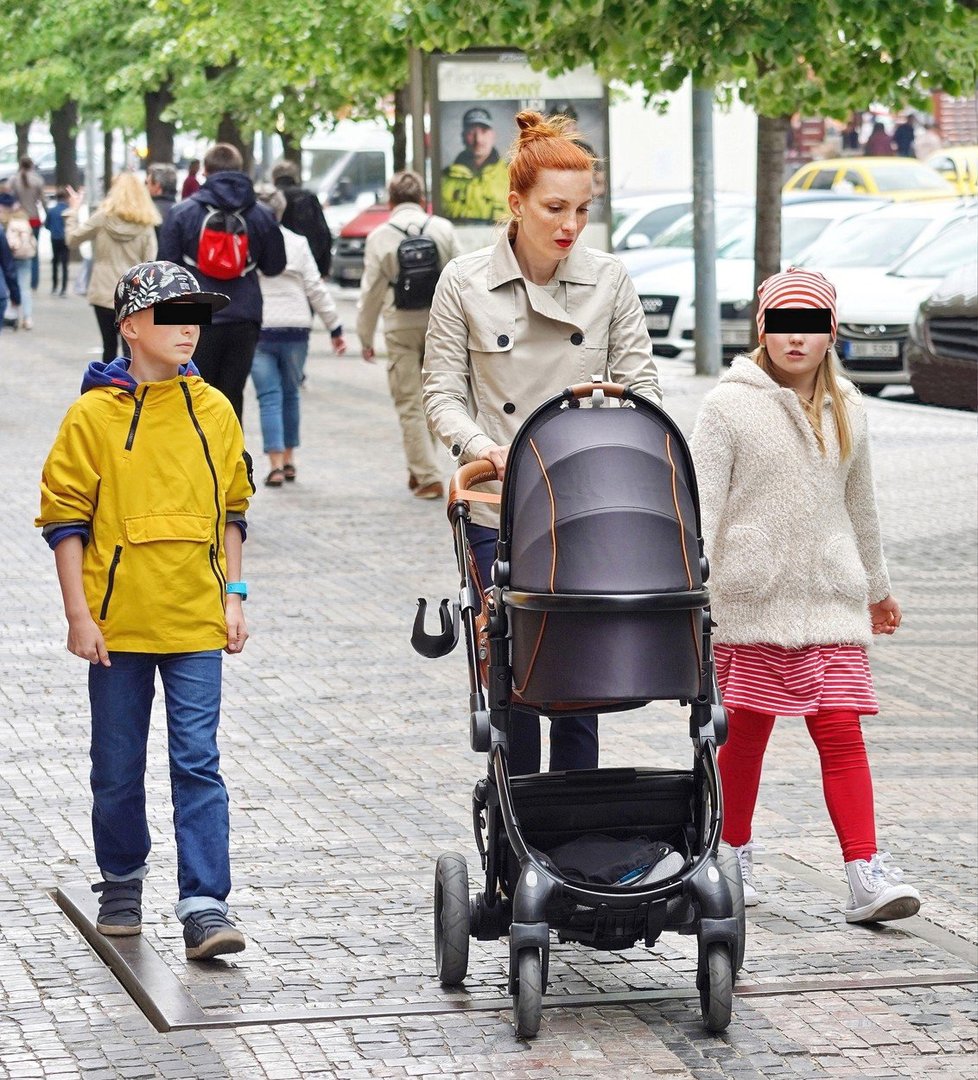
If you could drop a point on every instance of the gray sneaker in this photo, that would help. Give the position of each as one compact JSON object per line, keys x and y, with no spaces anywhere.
{"x":877,"y":893}
{"x":210,"y":933}
{"x":745,"y":856}
{"x":120,"y":907}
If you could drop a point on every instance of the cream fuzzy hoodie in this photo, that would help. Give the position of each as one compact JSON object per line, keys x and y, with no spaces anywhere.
{"x":792,"y":536}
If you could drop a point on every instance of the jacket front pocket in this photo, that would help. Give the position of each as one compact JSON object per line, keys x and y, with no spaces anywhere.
{"x":150,"y":528}
{"x":842,"y":569}
{"x":746,"y":564}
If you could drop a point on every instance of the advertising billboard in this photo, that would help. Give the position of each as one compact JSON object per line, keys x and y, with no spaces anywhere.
{"x":475,"y":97}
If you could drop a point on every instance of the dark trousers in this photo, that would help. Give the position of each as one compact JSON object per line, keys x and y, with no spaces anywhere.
{"x":223,"y":357}
{"x":110,"y":336}
{"x":59,"y":262}
{"x":573,"y":739}
{"x":36,"y":261}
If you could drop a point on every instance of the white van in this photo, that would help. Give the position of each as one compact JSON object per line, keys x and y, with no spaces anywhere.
{"x":348,"y":168}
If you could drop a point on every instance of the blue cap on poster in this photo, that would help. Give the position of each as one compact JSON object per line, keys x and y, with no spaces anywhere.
{"x":477,"y":118}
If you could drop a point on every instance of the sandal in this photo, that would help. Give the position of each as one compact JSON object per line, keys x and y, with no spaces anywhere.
{"x":288,"y":470}
{"x":275,"y":478}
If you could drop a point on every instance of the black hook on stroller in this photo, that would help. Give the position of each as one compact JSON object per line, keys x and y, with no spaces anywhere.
{"x":598,"y":603}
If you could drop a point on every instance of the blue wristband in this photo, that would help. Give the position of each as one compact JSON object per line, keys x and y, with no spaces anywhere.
{"x":237,"y":588}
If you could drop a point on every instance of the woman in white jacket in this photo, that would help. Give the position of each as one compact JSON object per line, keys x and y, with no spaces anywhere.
{"x":798,"y":580}
{"x":280,"y":356}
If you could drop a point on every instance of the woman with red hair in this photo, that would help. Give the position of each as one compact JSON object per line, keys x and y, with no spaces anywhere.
{"x":516,"y":323}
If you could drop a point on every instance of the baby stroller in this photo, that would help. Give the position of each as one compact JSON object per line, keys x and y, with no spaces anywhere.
{"x":597,"y":605}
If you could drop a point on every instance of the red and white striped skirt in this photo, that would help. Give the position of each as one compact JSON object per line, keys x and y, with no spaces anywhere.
{"x":795,"y":682}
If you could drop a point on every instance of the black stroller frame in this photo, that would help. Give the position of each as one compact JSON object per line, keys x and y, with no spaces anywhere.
{"x":525,"y":895}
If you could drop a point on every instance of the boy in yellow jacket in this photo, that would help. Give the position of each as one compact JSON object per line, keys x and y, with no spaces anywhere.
{"x":143,"y":498}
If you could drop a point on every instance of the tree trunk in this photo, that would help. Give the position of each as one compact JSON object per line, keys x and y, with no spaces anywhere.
{"x":23,"y":138}
{"x":399,"y":131}
{"x":772,"y":142}
{"x":291,"y":148}
{"x":64,"y":122}
{"x":108,"y":165}
{"x":228,"y":131}
{"x":159,"y":133}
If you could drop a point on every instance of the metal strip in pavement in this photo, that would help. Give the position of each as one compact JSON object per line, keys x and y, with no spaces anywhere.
{"x":916,"y":925}
{"x":169,"y":1005}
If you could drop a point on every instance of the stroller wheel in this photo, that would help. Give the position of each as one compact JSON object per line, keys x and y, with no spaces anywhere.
{"x":451,"y":918}
{"x":715,"y":980}
{"x":730,"y":868}
{"x":528,"y":999}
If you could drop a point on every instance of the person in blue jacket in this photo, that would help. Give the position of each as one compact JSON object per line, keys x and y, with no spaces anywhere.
{"x":9,"y":286}
{"x":54,"y":222}
{"x":226,"y":348}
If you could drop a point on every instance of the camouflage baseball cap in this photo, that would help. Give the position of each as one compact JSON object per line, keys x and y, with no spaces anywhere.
{"x":150,"y":283}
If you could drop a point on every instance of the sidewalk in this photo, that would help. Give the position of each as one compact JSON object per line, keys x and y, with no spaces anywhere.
{"x":347,"y":759}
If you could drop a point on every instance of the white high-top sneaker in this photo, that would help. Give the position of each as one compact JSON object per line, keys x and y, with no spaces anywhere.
{"x":745,"y":856}
{"x":876,"y":892}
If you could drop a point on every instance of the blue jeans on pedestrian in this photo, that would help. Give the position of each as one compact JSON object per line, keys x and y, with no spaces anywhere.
{"x":277,"y":374}
{"x":3,"y":311}
{"x":24,"y":281}
{"x":121,"y":699}
{"x":573,"y":739}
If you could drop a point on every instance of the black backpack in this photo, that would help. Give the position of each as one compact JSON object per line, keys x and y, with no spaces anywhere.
{"x":418,"y":269}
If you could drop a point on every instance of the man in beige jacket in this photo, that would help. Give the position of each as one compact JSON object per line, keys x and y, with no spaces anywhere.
{"x":404,"y":331}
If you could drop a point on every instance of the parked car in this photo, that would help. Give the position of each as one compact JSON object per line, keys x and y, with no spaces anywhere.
{"x":636,"y":220}
{"x":959,"y":166}
{"x":347,"y":265}
{"x":675,"y":244}
{"x":893,"y":178}
{"x":942,"y":353}
{"x":42,"y":154}
{"x":667,"y":291}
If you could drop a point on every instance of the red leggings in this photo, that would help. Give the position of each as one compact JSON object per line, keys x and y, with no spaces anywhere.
{"x":846,"y":780}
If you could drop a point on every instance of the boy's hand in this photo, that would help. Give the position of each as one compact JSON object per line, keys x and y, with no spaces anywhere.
{"x":85,"y":640}
{"x":885,"y":615}
{"x":339,"y":345}
{"x":237,"y":630}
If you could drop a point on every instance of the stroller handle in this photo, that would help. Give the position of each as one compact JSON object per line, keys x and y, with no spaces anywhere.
{"x":480,"y":471}
{"x":583,"y":390}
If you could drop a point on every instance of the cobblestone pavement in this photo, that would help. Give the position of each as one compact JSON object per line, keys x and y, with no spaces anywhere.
{"x":349,"y":769}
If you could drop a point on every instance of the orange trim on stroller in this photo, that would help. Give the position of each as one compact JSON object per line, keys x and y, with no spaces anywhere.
{"x":553,"y":570}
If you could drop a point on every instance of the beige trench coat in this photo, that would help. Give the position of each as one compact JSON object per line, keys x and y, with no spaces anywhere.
{"x":498,"y":346}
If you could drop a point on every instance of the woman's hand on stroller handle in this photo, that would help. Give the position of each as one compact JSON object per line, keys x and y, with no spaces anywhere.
{"x":497,"y":455}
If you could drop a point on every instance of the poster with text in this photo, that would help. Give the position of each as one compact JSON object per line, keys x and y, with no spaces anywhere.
{"x":475,"y":99}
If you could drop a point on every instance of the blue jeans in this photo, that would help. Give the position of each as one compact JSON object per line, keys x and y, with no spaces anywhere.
{"x":121,"y":698}
{"x":24,"y":281}
{"x":573,"y":739}
{"x":3,"y":310}
{"x":277,"y":374}
{"x":36,"y":261}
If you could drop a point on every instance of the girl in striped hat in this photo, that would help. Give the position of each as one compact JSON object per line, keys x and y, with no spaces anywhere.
{"x":798,"y":580}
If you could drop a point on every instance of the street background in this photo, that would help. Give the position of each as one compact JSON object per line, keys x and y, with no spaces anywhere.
{"x":347,"y":759}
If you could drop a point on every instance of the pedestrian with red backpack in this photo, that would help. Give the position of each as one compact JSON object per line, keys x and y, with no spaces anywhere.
{"x":224,"y":237}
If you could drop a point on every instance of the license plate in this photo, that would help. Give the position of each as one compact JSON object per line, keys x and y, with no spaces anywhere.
{"x":735,"y":333}
{"x":869,"y":349}
{"x":658,"y":322}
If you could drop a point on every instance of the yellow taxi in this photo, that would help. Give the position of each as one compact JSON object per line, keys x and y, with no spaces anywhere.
{"x":894,"y":178}
{"x":959,"y":166}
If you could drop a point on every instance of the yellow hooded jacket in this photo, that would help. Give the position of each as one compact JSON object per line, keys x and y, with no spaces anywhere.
{"x":154,"y":470}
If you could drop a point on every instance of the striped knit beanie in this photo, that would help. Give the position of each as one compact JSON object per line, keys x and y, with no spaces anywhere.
{"x":795,"y":288}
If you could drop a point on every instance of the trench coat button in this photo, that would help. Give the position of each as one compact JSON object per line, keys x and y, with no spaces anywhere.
{"x":509,"y":407}
{"x":456,"y":449}
{"x":502,"y":341}
{"x":577,"y":338}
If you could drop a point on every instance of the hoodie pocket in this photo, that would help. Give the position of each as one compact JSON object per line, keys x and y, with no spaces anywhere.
{"x":746,"y":565}
{"x":841,"y":568}
{"x":151,"y":528}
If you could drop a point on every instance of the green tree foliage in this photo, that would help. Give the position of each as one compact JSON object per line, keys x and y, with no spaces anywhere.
{"x":817,"y":57}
